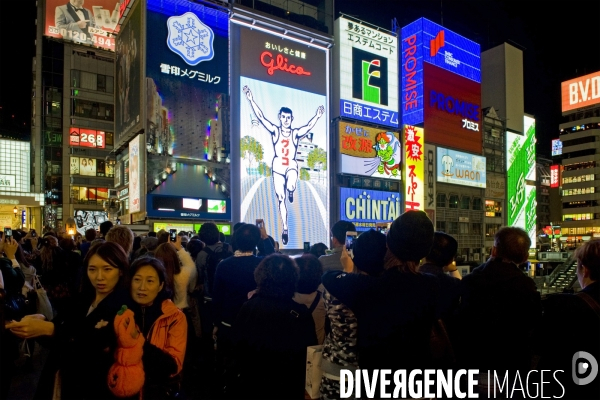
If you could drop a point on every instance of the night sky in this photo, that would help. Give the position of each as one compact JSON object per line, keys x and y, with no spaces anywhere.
{"x":560,"y":40}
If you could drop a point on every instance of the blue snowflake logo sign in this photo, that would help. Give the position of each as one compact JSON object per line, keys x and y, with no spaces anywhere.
{"x":190,"y":38}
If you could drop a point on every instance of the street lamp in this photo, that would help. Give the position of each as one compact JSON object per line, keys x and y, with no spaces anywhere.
{"x":15,"y":211}
{"x":71,"y":227}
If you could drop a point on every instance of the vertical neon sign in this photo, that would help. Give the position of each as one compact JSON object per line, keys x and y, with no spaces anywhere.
{"x":414,"y":175}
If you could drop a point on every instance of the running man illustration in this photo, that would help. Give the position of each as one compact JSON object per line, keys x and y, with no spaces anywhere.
{"x":285,"y":146}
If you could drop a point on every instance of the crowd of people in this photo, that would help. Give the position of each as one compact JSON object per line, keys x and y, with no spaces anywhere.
{"x":195,"y":316}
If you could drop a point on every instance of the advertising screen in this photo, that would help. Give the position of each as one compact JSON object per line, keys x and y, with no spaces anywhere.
{"x":557,"y":147}
{"x":520,"y":164}
{"x":452,"y":111}
{"x":128,"y":69}
{"x":580,"y":92}
{"x":554,"y":176}
{"x":186,"y":77}
{"x":460,"y":168}
{"x":87,"y":166}
{"x":15,"y":166}
{"x":134,"y":175}
{"x":368,"y":151}
{"x":368,"y":73}
{"x":92,"y":23}
{"x":283,"y":133}
{"x":85,"y":220}
{"x":495,"y":187}
{"x":414,"y":178}
{"x":430,"y":179}
{"x":188,"y":208}
{"x":80,"y":137}
{"x":365,"y":208}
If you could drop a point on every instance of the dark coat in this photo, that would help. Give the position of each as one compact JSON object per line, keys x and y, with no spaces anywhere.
{"x":570,"y":325}
{"x":270,"y":338}
{"x":449,"y":297}
{"x":395,"y":314}
{"x":82,"y":348}
{"x":500,"y":307}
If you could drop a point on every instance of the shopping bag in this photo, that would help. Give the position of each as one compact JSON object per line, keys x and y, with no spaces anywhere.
{"x":44,"y":306}
{"x":314,"y":354}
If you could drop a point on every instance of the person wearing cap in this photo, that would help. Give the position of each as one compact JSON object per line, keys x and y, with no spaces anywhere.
{"x":340,"y":347}
{"x":396,"y":310}
{"x":332,"y":261}
{"x":500,"y":306}
{"x":440,"y":263}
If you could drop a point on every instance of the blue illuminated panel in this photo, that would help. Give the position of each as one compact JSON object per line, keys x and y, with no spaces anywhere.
{"x":365,"y":208}
{"x":411,"y":64}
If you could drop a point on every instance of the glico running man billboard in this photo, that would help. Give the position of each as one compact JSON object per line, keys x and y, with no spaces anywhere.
{"x":368,"y":151}
{"x":425,"y":41}
{"x":283,"y":136}
{"x":520,"y":167}
{"x":366,"y":77}
{"x":93,"y":23}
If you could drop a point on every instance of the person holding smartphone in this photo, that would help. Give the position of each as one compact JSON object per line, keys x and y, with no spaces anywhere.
{"x":331,"y":262}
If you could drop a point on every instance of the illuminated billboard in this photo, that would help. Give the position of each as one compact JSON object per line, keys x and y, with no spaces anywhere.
{"x":367,"y":73}
{"x":89,"y":220}
{"x":368,"y":151}
{"x":365,"y":208}
{"x":128,"y":88}
{"x":414,"y":171}
{"x":430,"y":181}
{"x":426,"y":41}
{"x":452,"y":112}
{"x":521,"y":175}
{"x":15,"y":166}
{"x":555,"y":176}
{"x":283,"y":120}
{"x":460,"y":168}
{"x":557,"y":147}
{"x":134,"y":175}
{"x":580,"y":92}
{"x":188,"y":207}
{"x":80,"y":137}
{"x":92,"y":23}
{"x":186,"y":77}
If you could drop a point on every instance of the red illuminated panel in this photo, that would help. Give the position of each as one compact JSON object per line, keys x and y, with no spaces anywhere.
{"x":554,"y":176}
{"x":87,"y":138}
{"x":580,"y":92}
{"x":452,"y":110}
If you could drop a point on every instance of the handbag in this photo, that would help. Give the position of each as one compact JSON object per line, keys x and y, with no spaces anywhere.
{"x":15,"y":306}
{"x":44,"y":306}
{"x":314,"y":355}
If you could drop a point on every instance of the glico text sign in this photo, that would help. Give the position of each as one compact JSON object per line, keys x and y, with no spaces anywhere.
{"x":93,"y":23}
{"x":365,"y":208}
{"x":460,"y":168}
{"x":520,"y":165}
{"x":580,"y":92}
{"x":414,"y":147}
{"x":452,"y":110}
{"x":283,"y":136}
{"x":367,"y":73}
{"x":426,"y":42}
{"x":368,"y":151}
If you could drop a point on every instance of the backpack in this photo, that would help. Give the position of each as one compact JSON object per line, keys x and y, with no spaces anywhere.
{"x":213,"y":258}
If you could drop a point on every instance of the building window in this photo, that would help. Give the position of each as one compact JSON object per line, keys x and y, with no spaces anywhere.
{"x":476,"y":228}
{"x":491,"y":229}
{"x":477,"y":204}
{"x":452,"y":228}
{"x":453,"y":203}
{"x":465,"y":203}
{"x":91,"y":109}
{"x":493,"y":208}
{"x":441,"y":200}
{"x":463,"y":228}
{"x":440,"y":226}
{"x":578,"y":191}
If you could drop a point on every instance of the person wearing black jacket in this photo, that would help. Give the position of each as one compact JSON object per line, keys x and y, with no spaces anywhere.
{"x":571,"y":324}
{"x":396,"y":310}
{"x":500,"y":307}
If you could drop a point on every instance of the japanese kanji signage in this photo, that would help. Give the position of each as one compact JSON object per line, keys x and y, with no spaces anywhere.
{"x":430,"y":180}
{"x":460,"y":168}
{"x":414,"y":148}
{"x":366,"y":79}
{"x":369,"y":151}
{"x":521,"y":175}
{"x":365,"y":208}
{"x":281,"y":125}
{"x":93,"y":24}
{"x":554,"y":176}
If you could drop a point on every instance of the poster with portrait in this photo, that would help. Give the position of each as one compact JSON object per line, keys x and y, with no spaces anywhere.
{"x":89,"y":220}
{"x":74,"y":168}
{"x":87,"y":166}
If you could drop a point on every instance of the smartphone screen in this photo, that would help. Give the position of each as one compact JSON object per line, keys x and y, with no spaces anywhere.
{"x":7,"y":233}
{"x":350,"y":238}
{"x":260,"y":223}
{"x":173,"y":235}
{"x":307,"y":247}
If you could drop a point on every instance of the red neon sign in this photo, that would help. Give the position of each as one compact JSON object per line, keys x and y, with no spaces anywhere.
{"x":280,"y":63}
{"x":554,"y":176}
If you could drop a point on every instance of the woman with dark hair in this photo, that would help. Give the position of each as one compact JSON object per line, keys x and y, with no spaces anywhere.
{"x":163,"y":325}
{"x":82,"y":336}
{"x":318,"y":249}
{"x":310,"y":271}
{"x":271,"y":334}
